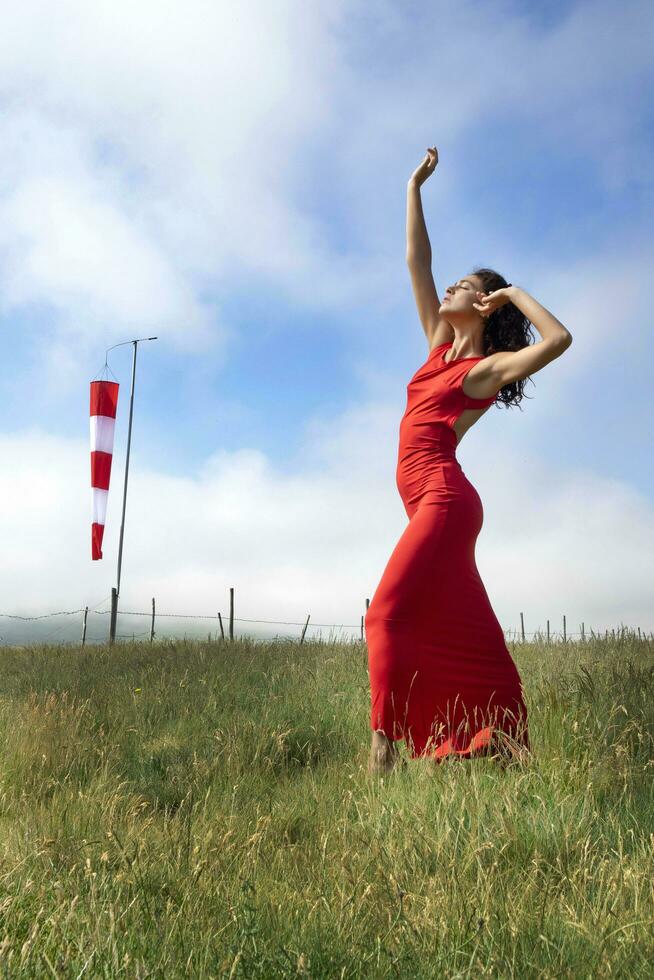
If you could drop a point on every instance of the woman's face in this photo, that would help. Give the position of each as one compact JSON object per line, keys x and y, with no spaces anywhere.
{"x":459,"y":297}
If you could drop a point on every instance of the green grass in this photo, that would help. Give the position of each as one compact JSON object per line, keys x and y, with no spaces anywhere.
{"x":205,"y":810}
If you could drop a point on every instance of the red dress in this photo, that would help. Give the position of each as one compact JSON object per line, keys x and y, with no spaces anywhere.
{"x":441,"y":675}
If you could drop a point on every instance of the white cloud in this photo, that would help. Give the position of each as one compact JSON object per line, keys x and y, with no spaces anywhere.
{"x":81,"y":254}
{"x":156,"y":154}
{"x":148,"y":157}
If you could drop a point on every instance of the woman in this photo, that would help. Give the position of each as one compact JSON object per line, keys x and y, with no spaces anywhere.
{"x":441,"y":675}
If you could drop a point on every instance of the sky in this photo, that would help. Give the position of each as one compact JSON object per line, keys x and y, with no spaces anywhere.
{"x":231,"y":178}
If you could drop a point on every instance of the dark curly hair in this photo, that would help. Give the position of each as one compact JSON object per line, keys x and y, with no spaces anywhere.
{"x":506,"y":329}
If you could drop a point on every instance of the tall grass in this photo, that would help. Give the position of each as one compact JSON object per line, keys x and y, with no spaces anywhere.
{"x":205,"y":810}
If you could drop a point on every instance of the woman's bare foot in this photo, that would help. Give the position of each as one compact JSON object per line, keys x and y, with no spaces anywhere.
{"x":384,"y":754}
{"x":511,"y":754}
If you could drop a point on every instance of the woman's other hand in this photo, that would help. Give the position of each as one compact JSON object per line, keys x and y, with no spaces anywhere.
{"x":489,"y":302}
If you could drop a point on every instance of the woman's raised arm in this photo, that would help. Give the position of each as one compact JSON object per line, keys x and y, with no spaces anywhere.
{"x":418,"y":257}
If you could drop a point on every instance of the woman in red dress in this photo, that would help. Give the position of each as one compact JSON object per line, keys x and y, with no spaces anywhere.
{"x":441,"y":675}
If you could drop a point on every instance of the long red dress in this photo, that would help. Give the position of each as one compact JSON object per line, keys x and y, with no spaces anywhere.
{"x":441,"y":675}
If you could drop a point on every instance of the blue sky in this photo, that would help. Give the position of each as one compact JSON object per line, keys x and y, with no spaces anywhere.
{"x":236,"y":186}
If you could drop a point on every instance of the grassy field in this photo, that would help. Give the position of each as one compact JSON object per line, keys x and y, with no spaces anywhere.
{"x":195,"y":809}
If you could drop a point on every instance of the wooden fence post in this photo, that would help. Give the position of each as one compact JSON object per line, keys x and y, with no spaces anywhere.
{"x":522,"y":626}
{"x":152,"y":623}
{"x":86,"y":612}
{"x":305,"y":629}
{"x":222,"y":631}
{"x":564,"y":636}
{"x":231,"y":613}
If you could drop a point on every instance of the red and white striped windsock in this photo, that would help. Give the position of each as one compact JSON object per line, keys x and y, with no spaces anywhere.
{"x":104,"y":399}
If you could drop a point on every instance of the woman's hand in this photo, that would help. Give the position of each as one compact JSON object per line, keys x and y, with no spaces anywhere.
{"x":426,"y":168}
{"x":489,"y":302}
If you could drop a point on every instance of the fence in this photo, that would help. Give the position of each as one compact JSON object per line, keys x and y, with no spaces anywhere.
{"x":548,"y":636}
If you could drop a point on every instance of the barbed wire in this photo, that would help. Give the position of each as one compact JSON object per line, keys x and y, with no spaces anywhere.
{"x":274,"y":622}
{"x":126,"y":612}
{"x":58,"y":630}
{"x":65,"y":612}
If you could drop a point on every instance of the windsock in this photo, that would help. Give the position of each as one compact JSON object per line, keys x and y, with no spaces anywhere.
{"x":104,"y":399}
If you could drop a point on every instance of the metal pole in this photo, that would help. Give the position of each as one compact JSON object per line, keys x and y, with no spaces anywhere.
{"x":122,"y":522}
{"x":129,"y":440}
